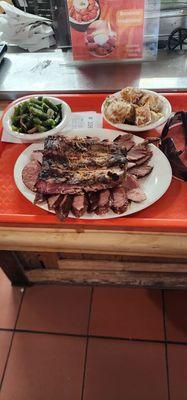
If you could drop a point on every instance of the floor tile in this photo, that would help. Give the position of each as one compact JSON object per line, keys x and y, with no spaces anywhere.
{"x":127,"y":313}
{"x":177,"y":366}
{"x":119,"y":370}
{"x":5,"y":341}
{"x":10,"y":298}
{"x":63,"y":309}
{"x":176,"y":315}
{"x":44,"y":367}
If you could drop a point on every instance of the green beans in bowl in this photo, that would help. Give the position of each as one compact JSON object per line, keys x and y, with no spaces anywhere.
{"x":36,"y":117}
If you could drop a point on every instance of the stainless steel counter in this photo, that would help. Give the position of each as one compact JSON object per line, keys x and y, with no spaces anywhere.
{"x":54,"y":71}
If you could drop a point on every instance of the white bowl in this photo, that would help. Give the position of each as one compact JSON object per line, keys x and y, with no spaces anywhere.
{"x":25,"y":137}
{"x":133,"y":128}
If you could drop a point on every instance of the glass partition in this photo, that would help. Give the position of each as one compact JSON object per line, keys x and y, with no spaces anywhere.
{"x":162,"y":17}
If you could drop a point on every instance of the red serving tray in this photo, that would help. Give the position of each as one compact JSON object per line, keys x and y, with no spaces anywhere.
{"x":167,"y":214}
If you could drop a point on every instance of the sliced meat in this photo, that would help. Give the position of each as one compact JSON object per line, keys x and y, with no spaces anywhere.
{"x":125,"y":141}
{"x":57,"y":188}
{"x":141,"y":170}
{"x":137,"y":195}
{"x":78,"y":146}
{"x":93,"y":200}
{"x":144,"y":159}
{"x":119,"y":201}
{"x":83,"y":176}
{"x":63,"y":206}
{"x":128,"y":145}
{"x":30,"y":174}
{"x":131,"y":182}
{"x":98,"y":186}
{"x":138,"y":151}
{"x":123,"y":138}
{"x":72,"y":164}
{"x":101,"y":180}
{"x":37,"y":155}
{"x":79,"y":205}
{"x":133,"y":190}
{"x":39,"y":198}
{"x":51,"y":200}
{"x":103,"y":202}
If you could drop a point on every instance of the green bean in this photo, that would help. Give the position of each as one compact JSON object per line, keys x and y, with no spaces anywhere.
{"x":16,"y":129}
{"x":17,"y":111}
{"x":15,"y":119}
{"x":41,"y":128}
{"x":24,"y":108}
{"x":50,"y":104}
{"x":58,"y":119}
{"x":36,"y":106}
{"x":38,"y":113}
{"x":59,"y":106}
{"x":45,"y":108}
{"x":30,"y":123}
{"x":35,"y":101}
{"x":49,"y":123}
{"x":60,"y":110}
{"x":36,"y":121}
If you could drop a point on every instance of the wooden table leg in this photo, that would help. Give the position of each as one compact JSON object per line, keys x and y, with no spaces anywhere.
{"x":12,"y":267}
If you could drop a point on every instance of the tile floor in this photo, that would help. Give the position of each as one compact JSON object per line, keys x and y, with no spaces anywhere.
{"x":79,"y":343}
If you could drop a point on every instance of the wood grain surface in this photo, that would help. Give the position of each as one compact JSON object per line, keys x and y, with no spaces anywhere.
{"x":117,"y":278}
{"x":99,"y":242}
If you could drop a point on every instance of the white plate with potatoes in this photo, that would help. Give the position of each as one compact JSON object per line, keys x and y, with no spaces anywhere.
{"x":136,"y":110}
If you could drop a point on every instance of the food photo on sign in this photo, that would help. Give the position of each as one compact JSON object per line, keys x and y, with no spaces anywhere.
{"x":102,"y":29}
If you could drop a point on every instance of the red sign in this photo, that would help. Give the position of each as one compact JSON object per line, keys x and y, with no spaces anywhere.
{"x":106,"y":29}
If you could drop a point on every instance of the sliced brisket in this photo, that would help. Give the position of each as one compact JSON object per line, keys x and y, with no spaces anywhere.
{"x":138,"y":151}
{"x":30,"y":174}
{"x":51,"y":200}
{"x":62,"y":206}
{"x":125,"y":141}
{"x":123,"y":138}
{"x":88,"y":174}
{"x":141,"y":171}
{"x":103,"y":202}
{"x":144,"y":159}
{"x":119,"y":201}
{"x":137,"y":195}
{"x":93,"y":200}
{"x":40,"y":198}
{"x":70,"y":165}
{"x":79,"y":205}
{"x":37,"y":155}
{"x":55,"y":145}
{"x":131,"y":182}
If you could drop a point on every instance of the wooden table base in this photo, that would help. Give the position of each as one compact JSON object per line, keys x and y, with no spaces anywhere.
{"x":26,"y":268}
